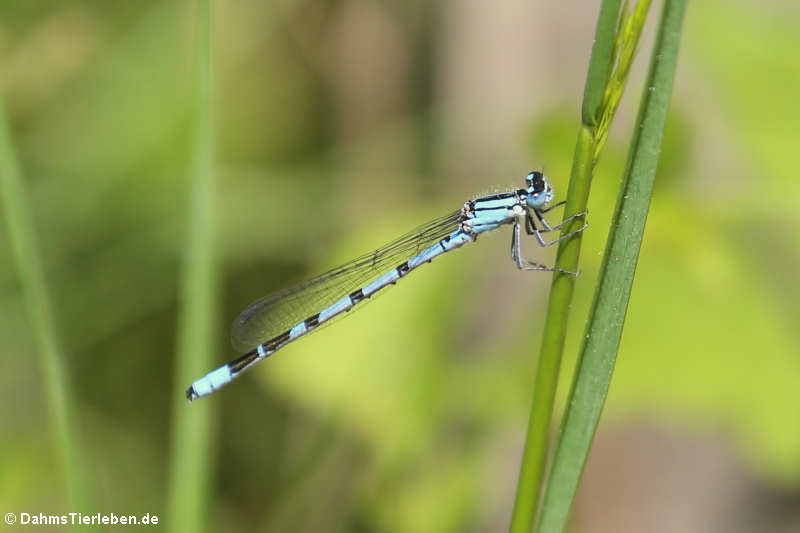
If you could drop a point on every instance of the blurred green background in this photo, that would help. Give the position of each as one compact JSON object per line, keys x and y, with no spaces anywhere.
{"x":341,"y":125}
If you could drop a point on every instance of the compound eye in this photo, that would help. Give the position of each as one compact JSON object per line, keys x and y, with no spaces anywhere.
{"x":536,"y":182}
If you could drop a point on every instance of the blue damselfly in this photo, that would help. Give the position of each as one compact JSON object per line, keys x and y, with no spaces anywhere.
{"x":271,"y":323}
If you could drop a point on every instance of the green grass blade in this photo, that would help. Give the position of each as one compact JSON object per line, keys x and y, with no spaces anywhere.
{"x":628,"y":35}
{"x":600,"y":62}
{"x":25,"y":251}
{"x":616,"y":38}
{"x":191,"y":450}
{"x":604,"y":328}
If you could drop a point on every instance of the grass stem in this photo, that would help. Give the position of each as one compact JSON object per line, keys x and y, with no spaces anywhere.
{"x":36,"y":296}
{"x":607,"y":315}
{"x":616,"y":36}
{"x":189,"y":482}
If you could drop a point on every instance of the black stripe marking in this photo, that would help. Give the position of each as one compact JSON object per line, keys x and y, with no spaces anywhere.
{"x":441,"y":243}
{"x":403,"y":269}
{"x":356,"y":296}
{"x":494,"y":208}
{"x":495,"y":196}
{"x":275,"y":343}
{"x":312,"y":321}
{"x":239,"y":364}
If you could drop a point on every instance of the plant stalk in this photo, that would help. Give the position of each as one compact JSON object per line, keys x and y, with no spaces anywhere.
{"x":607,"y":315}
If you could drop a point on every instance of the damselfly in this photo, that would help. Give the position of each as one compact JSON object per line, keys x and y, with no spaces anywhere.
{"x":271,"y":323}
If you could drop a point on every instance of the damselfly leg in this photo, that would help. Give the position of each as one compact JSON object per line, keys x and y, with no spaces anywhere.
{"x":524,"y":264}
{"x":531,"y":229}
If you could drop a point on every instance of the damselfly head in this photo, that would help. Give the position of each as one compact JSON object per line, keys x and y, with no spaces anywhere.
{"x":539,"y":191}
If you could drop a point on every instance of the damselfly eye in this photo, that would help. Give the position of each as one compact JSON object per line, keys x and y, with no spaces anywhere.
{"x":536,"y":182}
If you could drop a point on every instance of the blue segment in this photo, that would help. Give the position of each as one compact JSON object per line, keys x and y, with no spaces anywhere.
{"x":425,"y":256}
{"x":335,"y":309}
{"x":496,"y":204}
{"x":381,"y":282}
{"x":210,"y":382}
{"x":298,"y":330}
{"x":491,"y":219}
{"x":483,"y":228}
{"x":493,"y":216}
{"x":458,"y":238}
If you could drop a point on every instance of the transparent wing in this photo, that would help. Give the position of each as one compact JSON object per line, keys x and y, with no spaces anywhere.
{"x":272,"y":315}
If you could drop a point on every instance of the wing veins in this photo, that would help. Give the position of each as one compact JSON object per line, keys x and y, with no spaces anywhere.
{"x":274,"y":314}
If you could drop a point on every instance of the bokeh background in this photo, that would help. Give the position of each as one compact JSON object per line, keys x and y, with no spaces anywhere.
{"x":341,"y":125}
